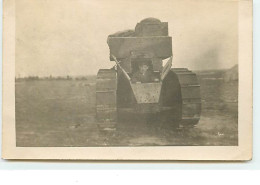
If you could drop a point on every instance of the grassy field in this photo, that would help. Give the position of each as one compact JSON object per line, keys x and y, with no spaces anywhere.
{"x":62,"y":113}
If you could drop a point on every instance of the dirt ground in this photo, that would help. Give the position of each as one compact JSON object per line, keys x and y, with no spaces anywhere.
{"x":62,"y":113}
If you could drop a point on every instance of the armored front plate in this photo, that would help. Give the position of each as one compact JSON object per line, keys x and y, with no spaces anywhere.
{"x":146,"y":92}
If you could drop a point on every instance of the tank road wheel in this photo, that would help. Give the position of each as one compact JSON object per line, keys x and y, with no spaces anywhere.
{"x":190,"y":96}
{"x":106,"y":107}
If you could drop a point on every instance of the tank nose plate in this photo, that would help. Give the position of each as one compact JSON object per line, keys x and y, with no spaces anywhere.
{"x":146,"y":92}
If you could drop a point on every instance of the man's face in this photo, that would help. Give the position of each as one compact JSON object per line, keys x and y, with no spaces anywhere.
{"x":143,"y":68}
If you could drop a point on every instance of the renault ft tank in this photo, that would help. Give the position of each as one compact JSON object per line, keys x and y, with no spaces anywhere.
{"x":174,"y":93}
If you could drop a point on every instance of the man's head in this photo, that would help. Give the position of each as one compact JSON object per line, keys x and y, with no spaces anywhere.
{"x":143,"y":67}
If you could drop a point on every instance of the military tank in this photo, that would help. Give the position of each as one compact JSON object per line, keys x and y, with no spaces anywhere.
{"x":174,"y":93}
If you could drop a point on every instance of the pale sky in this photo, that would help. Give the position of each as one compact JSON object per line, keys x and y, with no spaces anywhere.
{"x":69,"y":37}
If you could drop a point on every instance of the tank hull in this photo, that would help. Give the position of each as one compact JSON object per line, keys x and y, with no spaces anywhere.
{"x":177,"y":100}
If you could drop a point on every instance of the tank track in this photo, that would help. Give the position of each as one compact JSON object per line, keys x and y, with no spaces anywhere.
{"x":106,"y":104}
{"x":190,"y":95}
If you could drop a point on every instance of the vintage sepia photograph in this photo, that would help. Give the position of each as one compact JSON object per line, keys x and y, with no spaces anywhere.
{"x":126,"y":73}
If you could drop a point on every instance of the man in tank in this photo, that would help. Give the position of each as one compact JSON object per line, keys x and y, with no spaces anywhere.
{"x":143,"y":74}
